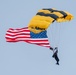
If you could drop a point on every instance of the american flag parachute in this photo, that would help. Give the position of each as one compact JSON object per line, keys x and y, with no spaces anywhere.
{"x":36,"y":31}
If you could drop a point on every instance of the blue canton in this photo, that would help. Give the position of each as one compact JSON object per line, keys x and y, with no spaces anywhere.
{"x":42,"y":34}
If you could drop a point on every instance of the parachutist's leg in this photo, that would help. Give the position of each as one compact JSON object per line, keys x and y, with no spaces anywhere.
{"x":56,"y":57}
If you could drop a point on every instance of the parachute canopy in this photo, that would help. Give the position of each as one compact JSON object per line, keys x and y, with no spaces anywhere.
{"x":45,"y":17}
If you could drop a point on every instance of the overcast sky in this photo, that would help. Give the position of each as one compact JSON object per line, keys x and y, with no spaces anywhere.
{"x":26,"y":59}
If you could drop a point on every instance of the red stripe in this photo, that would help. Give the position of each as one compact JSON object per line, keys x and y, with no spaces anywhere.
{"x":38,"y":40}
{"x":27,"y":35}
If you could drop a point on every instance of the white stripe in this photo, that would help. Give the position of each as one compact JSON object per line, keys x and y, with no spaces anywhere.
{"x":32,"y":39}
{"x":39,"y":42}
{"x":45,"y":45}
{"x":15,"y":30}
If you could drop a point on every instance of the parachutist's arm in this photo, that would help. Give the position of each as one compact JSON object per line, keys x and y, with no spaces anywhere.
{"x":51,"y":48}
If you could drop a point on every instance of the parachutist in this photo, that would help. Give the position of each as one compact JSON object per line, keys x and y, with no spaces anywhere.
{"x":55,"y":55}
{"x":55,"y":52}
